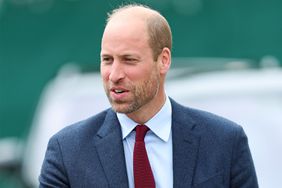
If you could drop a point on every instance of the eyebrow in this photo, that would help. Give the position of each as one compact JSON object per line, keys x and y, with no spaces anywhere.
{"x":135,"y":56}
{"x":105,"y":55}
{"x":127,"y":55}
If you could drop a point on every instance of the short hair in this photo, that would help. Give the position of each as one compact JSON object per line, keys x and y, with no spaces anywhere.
{"x":158,"y":28}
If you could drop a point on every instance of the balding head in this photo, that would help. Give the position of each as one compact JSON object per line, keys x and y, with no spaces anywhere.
{"x":157,"y":27}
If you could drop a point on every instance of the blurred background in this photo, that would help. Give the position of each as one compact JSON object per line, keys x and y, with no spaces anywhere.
{"x":226,"y":59}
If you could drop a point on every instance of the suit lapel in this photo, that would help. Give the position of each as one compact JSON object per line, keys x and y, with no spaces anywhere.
{"x":185,"y":147}
{"x":110,"y":150}
{"x":109,"y":146}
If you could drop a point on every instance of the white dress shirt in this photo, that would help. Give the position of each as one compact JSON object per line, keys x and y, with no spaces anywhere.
{"x":158,"y":142}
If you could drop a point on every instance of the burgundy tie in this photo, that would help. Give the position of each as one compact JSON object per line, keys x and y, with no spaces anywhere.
{"x":143,"y":176}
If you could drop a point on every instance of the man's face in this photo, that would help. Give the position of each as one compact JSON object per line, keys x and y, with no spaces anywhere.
{"x":130,"y":76}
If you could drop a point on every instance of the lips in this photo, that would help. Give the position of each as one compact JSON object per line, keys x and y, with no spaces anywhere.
{"x":118,"y":90}
{"x":118,"y":93}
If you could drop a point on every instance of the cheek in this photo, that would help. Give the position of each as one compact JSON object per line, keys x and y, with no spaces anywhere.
{"x":140,"y":73}
{"x":104,"y":73}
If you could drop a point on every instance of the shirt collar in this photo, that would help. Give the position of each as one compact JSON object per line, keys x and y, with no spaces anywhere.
{"x":160,"y":124}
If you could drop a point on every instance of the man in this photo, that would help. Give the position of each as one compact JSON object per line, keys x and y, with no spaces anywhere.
{"x":184,"y":147}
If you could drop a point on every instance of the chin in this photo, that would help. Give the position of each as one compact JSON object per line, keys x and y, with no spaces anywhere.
{"x":124,"y":109}
{"x":119,"y":108}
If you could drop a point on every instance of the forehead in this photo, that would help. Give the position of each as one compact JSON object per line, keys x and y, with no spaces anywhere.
{"x":125,"y":32}
{"x":126,"y":27}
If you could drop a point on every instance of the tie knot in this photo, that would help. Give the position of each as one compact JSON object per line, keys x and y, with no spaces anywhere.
{"x":141,"y":131}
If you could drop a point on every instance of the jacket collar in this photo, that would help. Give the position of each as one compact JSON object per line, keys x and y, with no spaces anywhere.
{"x":109,"y":146}
{"x":185,"y":146}
{"x":108,"y":142}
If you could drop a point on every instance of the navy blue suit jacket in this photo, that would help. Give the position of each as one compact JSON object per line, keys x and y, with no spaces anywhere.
{"x":208,"y":151}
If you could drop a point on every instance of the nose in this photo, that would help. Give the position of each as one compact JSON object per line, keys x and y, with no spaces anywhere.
{"x":117,"y":72}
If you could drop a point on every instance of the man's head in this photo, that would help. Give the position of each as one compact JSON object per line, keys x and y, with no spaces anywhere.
{"x":135,"y":57}
{"x":158,"y":29}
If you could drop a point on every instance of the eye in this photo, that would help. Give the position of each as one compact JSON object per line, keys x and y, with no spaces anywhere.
{"x":106,"y":60}
{"x":130,"y":60}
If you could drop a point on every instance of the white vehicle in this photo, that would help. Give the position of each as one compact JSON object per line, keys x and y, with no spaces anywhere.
{"x":251,"y":97}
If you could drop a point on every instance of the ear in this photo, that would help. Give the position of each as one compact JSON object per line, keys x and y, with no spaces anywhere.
{"x":164,"y":60}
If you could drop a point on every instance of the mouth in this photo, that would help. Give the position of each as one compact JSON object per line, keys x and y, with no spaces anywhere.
{"x":119,"y":91}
